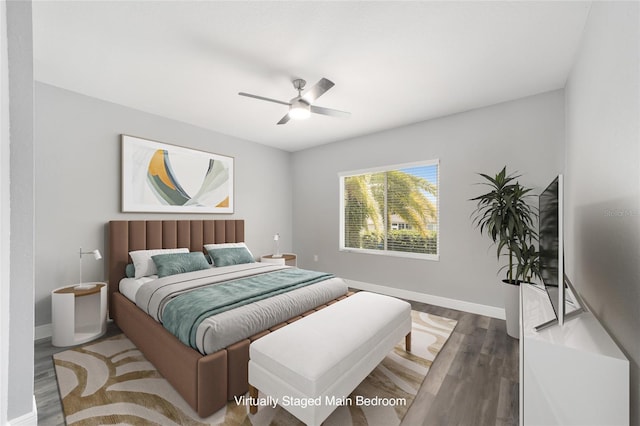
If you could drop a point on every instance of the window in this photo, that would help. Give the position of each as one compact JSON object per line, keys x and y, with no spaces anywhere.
{"x":391,"y":210}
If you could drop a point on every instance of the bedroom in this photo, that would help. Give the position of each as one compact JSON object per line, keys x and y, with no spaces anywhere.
{"x":70,"y":208}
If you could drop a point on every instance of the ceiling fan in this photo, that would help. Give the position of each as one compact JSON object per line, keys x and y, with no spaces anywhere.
{"x":302,"y":106}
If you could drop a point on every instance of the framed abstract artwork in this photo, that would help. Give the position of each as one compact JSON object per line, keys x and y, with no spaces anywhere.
{"x":158,"y":177}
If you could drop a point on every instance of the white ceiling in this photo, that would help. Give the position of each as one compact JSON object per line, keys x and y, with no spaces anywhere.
{"x":393,"y":63}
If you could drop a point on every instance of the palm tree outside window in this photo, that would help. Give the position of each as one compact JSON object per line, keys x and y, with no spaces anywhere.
{"x":391,"y":210}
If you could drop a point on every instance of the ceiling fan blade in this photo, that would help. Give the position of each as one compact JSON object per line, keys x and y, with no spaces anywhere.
{"x":262,"y":98}
{"x":284,"y":119}
{"x":318,"y":90}
{"x":330,"y":112}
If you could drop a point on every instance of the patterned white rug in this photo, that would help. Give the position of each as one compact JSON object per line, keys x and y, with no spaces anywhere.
{"x":110,"y":382}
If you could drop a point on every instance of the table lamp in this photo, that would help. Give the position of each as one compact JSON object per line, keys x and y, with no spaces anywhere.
{"x":97,"y":256}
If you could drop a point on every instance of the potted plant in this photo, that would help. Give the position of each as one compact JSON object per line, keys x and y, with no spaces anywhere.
{"x":505,"y":215}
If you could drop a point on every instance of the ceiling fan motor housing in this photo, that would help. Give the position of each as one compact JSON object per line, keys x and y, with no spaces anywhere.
{"x":299,"y":109}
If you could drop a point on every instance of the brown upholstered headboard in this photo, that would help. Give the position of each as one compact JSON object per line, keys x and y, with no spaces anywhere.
{"x":130,"y":235}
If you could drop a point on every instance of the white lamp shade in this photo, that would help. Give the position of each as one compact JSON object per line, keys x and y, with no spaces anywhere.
{"x":96,"y":254}
{"x":299,"y":110}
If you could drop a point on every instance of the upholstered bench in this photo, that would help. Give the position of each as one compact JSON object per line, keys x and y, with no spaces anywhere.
{"x":309,"y":365}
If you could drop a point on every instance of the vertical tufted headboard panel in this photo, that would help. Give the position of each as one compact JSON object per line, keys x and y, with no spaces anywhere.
{"x":130,"y":235}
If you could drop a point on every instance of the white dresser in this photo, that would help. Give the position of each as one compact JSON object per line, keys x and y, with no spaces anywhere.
{"x":569,"y":375}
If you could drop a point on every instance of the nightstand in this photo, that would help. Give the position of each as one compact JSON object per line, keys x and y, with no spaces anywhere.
{"x":79,"y":314}
{"x":288,"y":259}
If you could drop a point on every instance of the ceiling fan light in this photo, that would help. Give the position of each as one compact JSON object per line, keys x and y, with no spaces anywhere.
{"x":299,"y":111}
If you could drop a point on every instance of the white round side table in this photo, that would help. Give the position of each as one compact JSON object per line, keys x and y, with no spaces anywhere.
{"x":79,"y":313}
{"x":288,"y":259}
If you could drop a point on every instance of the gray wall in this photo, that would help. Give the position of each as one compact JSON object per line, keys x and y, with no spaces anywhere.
{"x":602,"y":218}
{"x":20,"y":55}
{"x":527,"y":135}
{"x":5,"y":212}
{"x":78,"y":183}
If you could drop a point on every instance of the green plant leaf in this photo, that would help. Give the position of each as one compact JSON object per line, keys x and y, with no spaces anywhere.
{"x":503,"y":214}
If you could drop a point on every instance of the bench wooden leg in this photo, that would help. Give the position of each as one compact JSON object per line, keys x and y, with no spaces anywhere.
{"x":253,"y":404}
{"x":407,"y":342}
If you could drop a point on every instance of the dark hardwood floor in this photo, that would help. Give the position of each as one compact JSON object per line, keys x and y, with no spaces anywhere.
{"x":474,"y":378}
{"x":473,"y":381}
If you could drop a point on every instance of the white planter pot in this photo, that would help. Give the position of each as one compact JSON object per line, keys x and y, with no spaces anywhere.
{"x":512,"y":308}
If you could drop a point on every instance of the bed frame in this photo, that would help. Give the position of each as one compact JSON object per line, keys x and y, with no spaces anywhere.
{"x":206,"y":382}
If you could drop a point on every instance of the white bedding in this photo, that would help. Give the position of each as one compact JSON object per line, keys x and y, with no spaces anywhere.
{"x":224,"y":329}
{"x":130,"y":286}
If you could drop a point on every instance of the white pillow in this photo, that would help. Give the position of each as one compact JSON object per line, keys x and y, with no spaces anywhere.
{"x":143,"y":262}
{"x":208,"y":247}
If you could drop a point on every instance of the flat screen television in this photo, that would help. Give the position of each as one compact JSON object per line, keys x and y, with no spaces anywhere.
{"x":564,"y":298}
{"x":551,"y":244}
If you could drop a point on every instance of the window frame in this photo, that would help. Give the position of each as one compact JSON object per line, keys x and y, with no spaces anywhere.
{"x":385,"y":251}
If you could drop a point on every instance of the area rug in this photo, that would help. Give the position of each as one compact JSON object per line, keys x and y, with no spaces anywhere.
{"x":110,"y":382}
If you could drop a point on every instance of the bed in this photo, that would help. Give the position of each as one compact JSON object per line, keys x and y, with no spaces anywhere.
{"x":205,"y":381}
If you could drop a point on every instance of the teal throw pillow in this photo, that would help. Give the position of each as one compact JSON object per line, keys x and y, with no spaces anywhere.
{"x":130,"y":270}
{"x":230,"y":256}
{"x":179,"y":263}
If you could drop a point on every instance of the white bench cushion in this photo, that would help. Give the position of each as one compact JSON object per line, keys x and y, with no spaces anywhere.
{"x":315,"y":352}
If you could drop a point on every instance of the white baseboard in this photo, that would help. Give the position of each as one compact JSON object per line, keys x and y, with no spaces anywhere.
{"x":43,"y":331}
{"x":460,"y":305}
{"x":29,"y":419}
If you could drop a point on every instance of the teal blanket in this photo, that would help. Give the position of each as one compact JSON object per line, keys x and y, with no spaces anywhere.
{"x":184,"y":313}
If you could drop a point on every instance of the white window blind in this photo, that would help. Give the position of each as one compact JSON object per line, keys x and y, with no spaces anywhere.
{"x":391,"y":210}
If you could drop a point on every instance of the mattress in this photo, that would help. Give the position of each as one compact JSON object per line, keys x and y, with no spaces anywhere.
{"x":223,"y":329}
